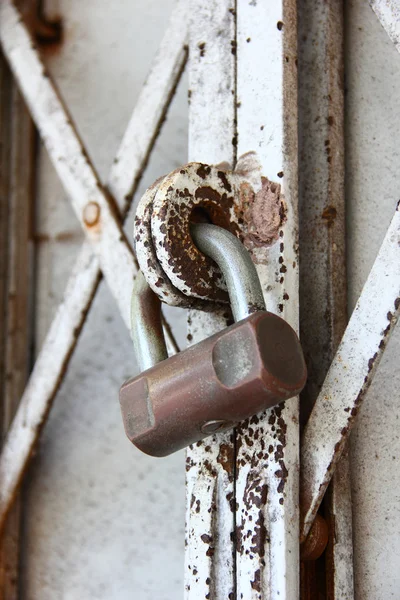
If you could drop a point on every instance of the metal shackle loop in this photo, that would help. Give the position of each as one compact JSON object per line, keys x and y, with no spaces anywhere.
{"x":241,"y":278}
{"x":146,"y":325}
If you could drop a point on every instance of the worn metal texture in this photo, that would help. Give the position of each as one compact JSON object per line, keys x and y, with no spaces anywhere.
{"x":146,"y":252}
{"x":94,"y":504}
{"x":194,"y":187}
{"x":267,"y":447}
{"x":93,"y":207}
{"x":351,"y":373}
{"x":85,"y":276}
{"x":209,"y":551}
{"x":240,"y":275}
{"x":178,"y":272}
{"x":323,"y":284}
{"x":264,"y":495}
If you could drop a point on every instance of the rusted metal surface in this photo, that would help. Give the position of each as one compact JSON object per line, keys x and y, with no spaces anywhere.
{"x":323,"y":297}
{"x":267,"y":446}
{"x":146,"y":252}
{"x":316,"y":541}
{"x":209,"y":551}
{"x":234,"y":261}
{"x":194,"y":187}
{"x":388,"y":13}
{"x":5,"y":119}
{"x":351,"y":373}
{"x":61,"y":339}
{"x":177,"y":272}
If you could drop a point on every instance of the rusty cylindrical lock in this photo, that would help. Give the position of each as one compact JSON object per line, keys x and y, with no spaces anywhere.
{"x":247,"y":367}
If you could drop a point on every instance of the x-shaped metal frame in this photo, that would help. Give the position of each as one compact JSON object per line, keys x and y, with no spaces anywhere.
{"x":100,"y":211}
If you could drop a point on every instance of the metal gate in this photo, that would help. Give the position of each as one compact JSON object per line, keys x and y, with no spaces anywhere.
{"x":243,"y":513}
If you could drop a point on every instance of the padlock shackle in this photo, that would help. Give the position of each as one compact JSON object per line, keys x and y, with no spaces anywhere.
{"x":146,"y":325}
{"x":241,"y":279}
{"x":233,"y":259}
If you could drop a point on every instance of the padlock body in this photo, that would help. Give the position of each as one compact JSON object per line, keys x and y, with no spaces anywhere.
{"x":245,"y":368}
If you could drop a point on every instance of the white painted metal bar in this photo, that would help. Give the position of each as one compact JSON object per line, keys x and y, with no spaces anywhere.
{"x":267,"y":464}
{"x":340,"y":571}
{"x":44,"y":381}
{"x":351,"y":373}
{"x":93,"y":207}
{"x":209,"y":553}
{"x":388,"y":13}
{"x":59,"y":344}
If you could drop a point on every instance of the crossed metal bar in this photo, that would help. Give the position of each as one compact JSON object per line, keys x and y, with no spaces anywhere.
{"x":108,"y":252}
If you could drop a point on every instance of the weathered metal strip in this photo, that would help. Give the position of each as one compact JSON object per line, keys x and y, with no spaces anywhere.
{"x":5,"y":152}
{"x":351,"y":373}
{"x":45,"y":379}
{"x":94,"y":209}
{"x":267,"y":465}
{"x":209,"y":556}
{"x":18,"y":330}
{"x":339,"y":558}
{"x":388,"y":13}
{"x":60,"y":342}
{"x":323,"y":298}
{"x":17,"y":136}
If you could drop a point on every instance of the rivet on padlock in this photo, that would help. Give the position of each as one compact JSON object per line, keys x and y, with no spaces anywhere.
{"x":247,"y":367}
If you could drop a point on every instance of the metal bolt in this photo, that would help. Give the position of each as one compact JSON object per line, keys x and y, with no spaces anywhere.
{"x":316,"y":541}
{"x":91,"y":213}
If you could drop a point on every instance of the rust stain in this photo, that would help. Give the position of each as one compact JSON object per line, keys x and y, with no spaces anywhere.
{"x":202,"y":48}
{"x":316,"y":541}
{"x":197,"y":271}
{"x":256,"y":583}
{"x":91,"y":214}
{"x":48,"y":34}
{"x":329,"y":215}
{"x":226,"y":458}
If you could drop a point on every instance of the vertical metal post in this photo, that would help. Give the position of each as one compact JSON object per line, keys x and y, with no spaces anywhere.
{"x":323,"y":288}
{"x":17,"y":136}
{"x":267,"y":463}
{"x":242,"y":491}
{"x":209,"y":562}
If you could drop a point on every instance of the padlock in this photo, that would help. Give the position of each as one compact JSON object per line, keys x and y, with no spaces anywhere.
{"x":251,"y":365}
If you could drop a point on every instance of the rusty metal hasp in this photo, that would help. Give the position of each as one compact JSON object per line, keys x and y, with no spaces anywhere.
{"x":251,"y":365}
